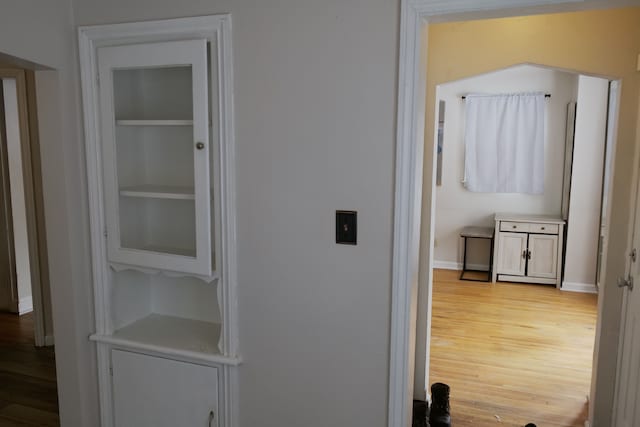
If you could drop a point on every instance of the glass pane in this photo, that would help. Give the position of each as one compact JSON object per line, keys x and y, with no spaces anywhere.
{"x":154,"y":151}
{"x":155,"y":155}
{"x":158,"y":225}
{"x":153,"y":93}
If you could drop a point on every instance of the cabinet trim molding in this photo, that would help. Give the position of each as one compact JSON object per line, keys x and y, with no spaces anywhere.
{"x":159,"y":351}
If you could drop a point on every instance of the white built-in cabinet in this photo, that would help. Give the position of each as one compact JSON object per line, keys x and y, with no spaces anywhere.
{"x":159,"y":140}
{"x":528,"y":248}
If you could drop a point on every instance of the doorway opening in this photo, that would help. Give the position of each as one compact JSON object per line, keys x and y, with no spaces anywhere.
{"x":27,"y":360}
{"x":521,"y":333}
{"x":571,"y":46}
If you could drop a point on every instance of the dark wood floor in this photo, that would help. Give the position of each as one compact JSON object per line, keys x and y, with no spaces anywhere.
{"x":512,"y":353}
{"x":28,"y":394}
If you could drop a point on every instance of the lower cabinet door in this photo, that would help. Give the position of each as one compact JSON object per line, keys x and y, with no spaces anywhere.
{"x":155,"y":392}
{"x":512,"y":249}
{"x":544,"y":256}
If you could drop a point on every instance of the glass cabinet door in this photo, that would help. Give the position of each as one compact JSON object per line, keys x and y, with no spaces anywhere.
{"x":155,"y":147}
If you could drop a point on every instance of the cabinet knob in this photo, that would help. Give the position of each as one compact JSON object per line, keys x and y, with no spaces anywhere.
{"x":514,"y":226}
{"x":541,"y":228}
{"x":200,"y":145}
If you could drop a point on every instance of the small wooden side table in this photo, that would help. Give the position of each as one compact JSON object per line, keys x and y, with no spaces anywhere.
{"x":477,"y":233}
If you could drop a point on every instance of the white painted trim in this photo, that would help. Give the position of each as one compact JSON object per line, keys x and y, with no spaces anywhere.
{"x":26,"y":261}
{"x":587,"y":288}
{"x":450,"y":265}
{"x":407,"y":216}
{"x":226,"y":225}
{"x":17,"y":192}
{"x":444,"y":7}
{"x":216,"y":29}
{"x":97,"y":221}
{"x":408,"y":189}
{"x":49,"y":341}
{"x":25,"y":305}
{"x":525,"y":279}
{"x":172,"y":353}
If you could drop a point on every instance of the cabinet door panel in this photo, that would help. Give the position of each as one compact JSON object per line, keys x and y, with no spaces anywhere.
{"x":155,"y":392}
{"x":154,"y":124}
{"x":511,"y":247}
{"x":544,"y":256}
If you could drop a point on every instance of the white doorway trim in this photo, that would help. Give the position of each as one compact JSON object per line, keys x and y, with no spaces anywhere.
{"x":16,"y":81}
{"x":17,"y":194}
{"x":415,"y":15}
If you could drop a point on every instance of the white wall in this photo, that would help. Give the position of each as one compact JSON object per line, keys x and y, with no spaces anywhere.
{"x":457,"y":207}
{"x":315,"y":93}
{"x":41,"y":32}
{"x":583,"y":225}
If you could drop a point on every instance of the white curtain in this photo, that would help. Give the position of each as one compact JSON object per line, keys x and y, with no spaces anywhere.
{"x":504,"y":143}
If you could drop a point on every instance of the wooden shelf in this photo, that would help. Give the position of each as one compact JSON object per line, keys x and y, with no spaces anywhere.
{"x":154,"y":122}
{"x":186,"y":339}
{"x":173,"y":332}
{"x":159,"y":192}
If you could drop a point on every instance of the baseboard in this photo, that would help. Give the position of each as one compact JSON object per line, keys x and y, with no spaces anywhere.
{"x":449,"y":265}
{"x":25,"y":305}
{"x":49,"y":341}
{"x":586,"y":288}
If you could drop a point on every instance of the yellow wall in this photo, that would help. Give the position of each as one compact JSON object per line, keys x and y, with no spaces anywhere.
{"x":604,"y":43}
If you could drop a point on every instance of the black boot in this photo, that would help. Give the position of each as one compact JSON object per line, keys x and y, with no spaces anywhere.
{"x":420,"y":410}
{"x":440,"y":415}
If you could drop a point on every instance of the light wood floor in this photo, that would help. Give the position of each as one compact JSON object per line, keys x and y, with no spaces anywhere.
{"x":28,"y":395}
{"x":512,"y":353}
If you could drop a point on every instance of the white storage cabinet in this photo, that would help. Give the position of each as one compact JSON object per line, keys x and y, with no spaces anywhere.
{"x":528,"y":248}
{"x":159,"y":141}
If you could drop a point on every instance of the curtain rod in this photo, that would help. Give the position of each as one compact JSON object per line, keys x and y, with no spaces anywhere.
{"x":546,"y":95}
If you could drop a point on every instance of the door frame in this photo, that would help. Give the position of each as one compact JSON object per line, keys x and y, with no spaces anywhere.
{"x":412,"y":72}
{"x":634,"y":215}
{"x":613,"y":118}
{"x":5,"y":205}
{"x":32,"y":181}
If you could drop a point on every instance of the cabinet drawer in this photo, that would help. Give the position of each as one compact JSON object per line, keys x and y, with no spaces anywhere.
{"x":522,"y":227}
{"x":543,"y":228}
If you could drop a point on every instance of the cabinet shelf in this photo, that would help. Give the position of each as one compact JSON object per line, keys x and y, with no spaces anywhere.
{"x":167,"y":250}
{"x":193,"y":340}
{"x":158,"y":192}
{"x":127,"y":122}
